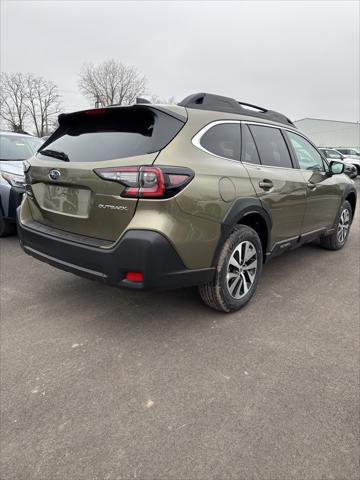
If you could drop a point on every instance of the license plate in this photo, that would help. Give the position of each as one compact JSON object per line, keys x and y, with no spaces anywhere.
{"x":67,"y":200}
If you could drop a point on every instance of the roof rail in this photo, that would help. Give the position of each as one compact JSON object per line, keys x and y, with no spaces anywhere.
{"x":209,"y":101}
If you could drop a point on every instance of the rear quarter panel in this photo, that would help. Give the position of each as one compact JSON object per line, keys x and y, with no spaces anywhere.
{"x":192,"y":219}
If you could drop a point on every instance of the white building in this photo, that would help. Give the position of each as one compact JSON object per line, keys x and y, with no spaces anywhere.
{"x":330,"y":133}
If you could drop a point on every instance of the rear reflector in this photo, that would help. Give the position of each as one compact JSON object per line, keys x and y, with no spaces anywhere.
{"x":136,"y":277}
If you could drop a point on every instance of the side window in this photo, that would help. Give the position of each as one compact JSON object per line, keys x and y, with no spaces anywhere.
{"x":223,"y":140}
{"x":272,"y":147}
{"x":308,"y":157}
{"x":250,"y":154}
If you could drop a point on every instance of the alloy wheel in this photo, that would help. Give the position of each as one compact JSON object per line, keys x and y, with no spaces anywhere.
{"x":344,"y":224}
{"x":241,"y":269}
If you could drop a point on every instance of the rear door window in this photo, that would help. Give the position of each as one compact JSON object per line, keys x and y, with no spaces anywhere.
{"x":271,"y":146}
{"x":250,"y":153}
{"x":223,"y":140}
{"x":107,"y":134}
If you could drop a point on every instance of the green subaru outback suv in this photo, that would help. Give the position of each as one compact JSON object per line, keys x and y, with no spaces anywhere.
{"x":201,"y":193}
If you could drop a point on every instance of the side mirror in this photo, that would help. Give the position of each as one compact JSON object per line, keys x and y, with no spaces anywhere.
{"x":336,"y":168}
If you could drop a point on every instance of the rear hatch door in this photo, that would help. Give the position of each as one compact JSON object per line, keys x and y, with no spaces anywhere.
{"x":65,"y":191}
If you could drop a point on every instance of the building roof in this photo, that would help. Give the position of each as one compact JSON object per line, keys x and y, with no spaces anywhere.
{"x":325,"y":120}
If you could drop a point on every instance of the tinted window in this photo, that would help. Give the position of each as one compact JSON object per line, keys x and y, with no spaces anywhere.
{"x":250,"y":152}
{"x":113,"y":133}
{"x":14,"y":147}
{"x":308,"y":157}
{"x":272,"y":147}
{"x":223,"y":140}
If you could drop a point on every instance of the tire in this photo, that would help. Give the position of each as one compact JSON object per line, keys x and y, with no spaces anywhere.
{"x":6,"y":228}
{"x":336,"y":240}
{"x":227,"y":291}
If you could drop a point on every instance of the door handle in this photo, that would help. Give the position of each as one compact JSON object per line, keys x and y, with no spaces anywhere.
{"x":266,"y":184}
{"x":311,"y":185}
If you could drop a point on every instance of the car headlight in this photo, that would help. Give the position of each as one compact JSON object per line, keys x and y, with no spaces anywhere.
{"x":13,"y":179}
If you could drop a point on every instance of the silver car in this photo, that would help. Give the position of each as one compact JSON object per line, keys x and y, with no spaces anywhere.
{"x":350,"y":152}
{"x":14,"y":148}
{"x":332,"y":154}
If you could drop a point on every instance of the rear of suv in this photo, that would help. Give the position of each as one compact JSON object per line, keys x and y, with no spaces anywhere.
{"x":201,"y":193}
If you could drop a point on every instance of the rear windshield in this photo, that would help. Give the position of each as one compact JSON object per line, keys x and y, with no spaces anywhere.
{"x":113,"y":133}
{"x":16,"y":147}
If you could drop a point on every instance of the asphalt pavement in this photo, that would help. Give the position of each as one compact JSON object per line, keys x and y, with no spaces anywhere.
{"x":100,"y":383}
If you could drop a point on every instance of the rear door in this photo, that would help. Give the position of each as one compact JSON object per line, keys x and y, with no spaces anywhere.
{"x":279,"y":186}
{"x":67,"y":193}
{"x":322,"y":190}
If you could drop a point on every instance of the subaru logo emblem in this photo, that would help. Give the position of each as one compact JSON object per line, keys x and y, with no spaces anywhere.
{"x":54,"y":174}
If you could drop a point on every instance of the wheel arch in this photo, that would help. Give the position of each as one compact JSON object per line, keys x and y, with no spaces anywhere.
{"x":351,"y":198}
{"x":248,"y":211}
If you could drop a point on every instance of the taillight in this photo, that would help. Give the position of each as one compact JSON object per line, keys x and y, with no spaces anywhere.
{"x":148,"y":182}
{"x":151,"y":182}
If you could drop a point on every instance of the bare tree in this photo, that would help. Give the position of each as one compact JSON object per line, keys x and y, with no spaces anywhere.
{"x":111,"y":82}
{"x":25,"y":99}
{"x":13,"y":107}
{"x":43,"y":102}
{"x":156,"y":99}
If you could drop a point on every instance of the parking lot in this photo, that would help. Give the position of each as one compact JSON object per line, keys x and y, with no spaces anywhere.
{"x":100,"y":383}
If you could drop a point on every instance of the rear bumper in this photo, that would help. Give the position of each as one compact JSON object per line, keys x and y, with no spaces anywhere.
{"x":142,"y":251}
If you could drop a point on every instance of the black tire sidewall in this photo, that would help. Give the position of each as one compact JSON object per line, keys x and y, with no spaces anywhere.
{"x":345,"y":206}
{"x":240,"y":234}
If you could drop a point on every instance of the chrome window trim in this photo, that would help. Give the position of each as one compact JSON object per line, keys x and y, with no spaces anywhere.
{"x":262,"y":124}
{"x":260,"y":166}
{"x":197,"y":137}
{"x":287,"y":129}
{"x":246,"y":122}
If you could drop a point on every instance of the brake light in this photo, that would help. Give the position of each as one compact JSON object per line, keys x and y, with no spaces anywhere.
{"x":96,"y":111}
{"x":148,"y":182}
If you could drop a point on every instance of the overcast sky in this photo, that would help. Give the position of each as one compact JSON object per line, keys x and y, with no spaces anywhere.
{"x":301,"y":58}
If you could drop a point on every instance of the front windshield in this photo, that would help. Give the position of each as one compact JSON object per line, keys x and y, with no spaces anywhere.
{"x":15,"y":147}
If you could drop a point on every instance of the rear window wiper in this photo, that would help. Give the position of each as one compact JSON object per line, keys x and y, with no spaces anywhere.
{"x":55,"y":154}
